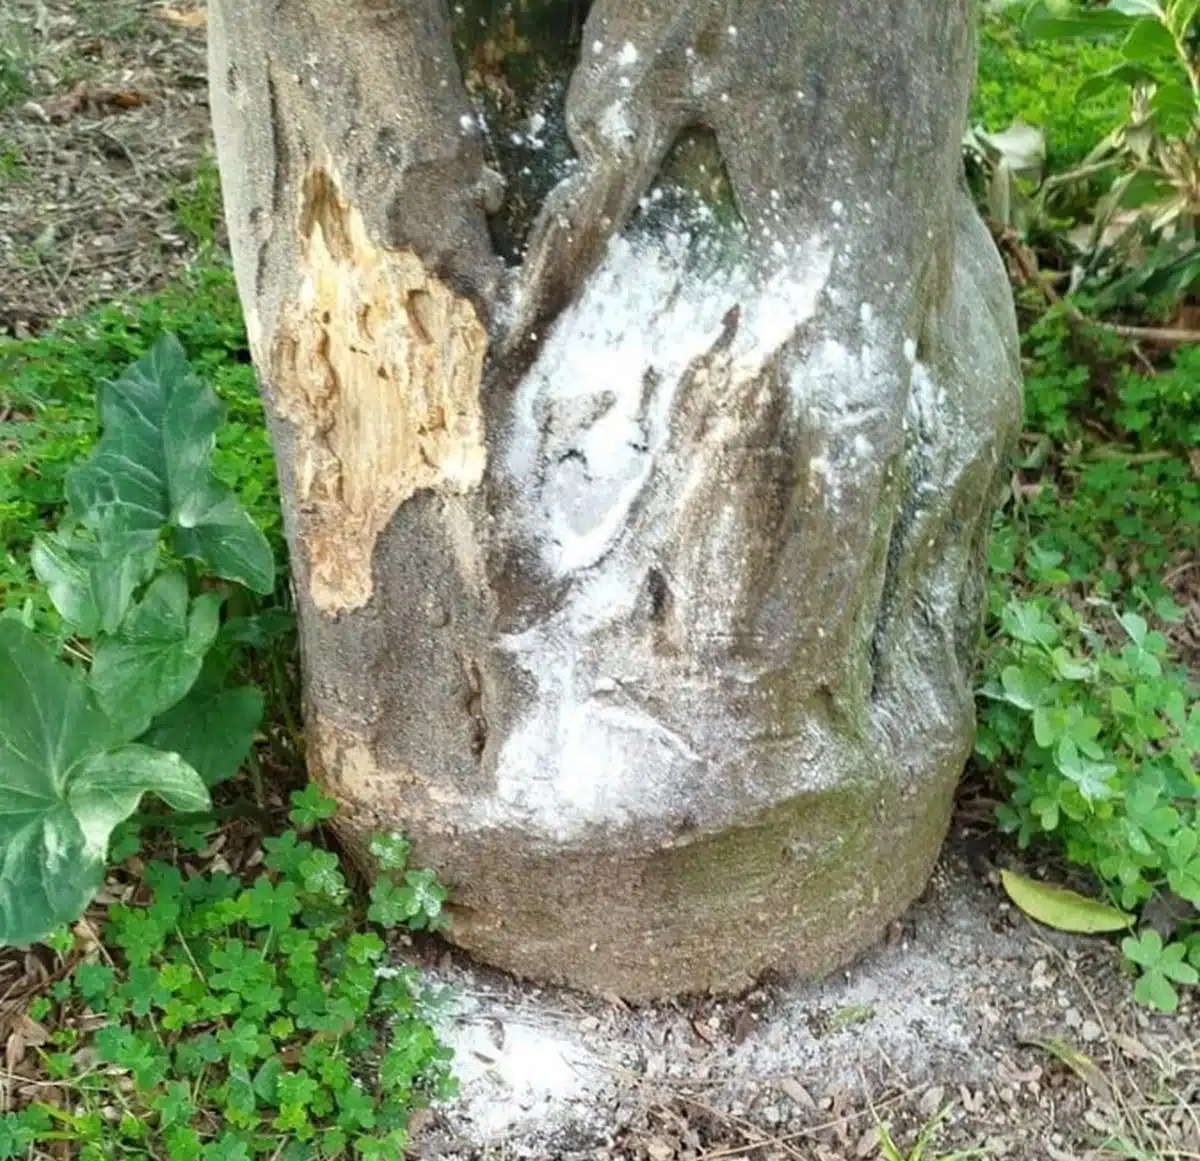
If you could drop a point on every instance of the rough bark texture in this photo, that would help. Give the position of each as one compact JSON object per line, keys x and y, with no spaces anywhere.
{"x":638,"y":580}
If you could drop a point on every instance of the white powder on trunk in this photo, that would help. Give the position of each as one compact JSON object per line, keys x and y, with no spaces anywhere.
{"x":590,"y":441}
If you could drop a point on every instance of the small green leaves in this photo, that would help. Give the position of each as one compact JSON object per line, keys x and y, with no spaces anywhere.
{"x":391,"y":851}
{"x":417,"y":903}
{"x":1091,"y":725}
{"x":1162,"y":968}
{"x":1060,"y":908}
{"x":254,"y":1014}
{"x":151,"y":469}
{"x":65,"y":782}
{"x":311,"y":806}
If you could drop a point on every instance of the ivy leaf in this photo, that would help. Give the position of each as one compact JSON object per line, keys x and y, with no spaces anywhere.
{"x":210,"y":729}
{"x":152,"y":468}
{"x":65,"y":782}
{"x":92,"y":583}
{"x":156,"y":656}
{"x":1062,"y":909}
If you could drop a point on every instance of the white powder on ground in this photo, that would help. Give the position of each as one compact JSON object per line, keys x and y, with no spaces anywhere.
{"x":516,"y":1074}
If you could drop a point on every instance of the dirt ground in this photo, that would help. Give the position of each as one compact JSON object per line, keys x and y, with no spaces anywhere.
{"x":106,"y":179}
{"x":969,"y":1022}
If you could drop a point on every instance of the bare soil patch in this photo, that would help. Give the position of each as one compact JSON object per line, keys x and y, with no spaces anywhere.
{"x":969,"y":1021}
{"x":106,"y":186}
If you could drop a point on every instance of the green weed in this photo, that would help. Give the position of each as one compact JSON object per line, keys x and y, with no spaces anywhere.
{"x":1091,"y":726}
{"x":1036,"y":82}
{"x":223,"y":1021}
{"x":197,"y":205}
{"x":48,"y":386}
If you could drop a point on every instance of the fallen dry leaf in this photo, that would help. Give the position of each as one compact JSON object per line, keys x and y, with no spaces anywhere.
{"x":795,"y":1091}
{"x":63,"y":106}
{"x":183,"y":17}
{"x":14,"y":1051}
{"x":79,"y":98}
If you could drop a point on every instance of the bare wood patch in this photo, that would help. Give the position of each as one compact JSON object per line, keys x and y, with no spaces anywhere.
{"x":377,"y":363}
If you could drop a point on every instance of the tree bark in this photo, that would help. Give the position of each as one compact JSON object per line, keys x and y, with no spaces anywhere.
{"x":639,"y":569}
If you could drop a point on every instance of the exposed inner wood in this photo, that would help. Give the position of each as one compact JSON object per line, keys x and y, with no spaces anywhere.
{"x":377,"y":364}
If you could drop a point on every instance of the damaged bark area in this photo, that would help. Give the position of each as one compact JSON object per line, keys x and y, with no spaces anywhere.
{"x":652,"y":629}
{"x":377,"y":365}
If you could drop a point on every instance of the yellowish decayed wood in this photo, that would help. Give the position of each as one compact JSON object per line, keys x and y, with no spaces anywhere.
{"x":377,"y":364}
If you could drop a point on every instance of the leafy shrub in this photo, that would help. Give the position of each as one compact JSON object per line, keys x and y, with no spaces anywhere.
{"x":49,"y":387}
{"x":1100,"y":741}
{"x":226,"y":1021}
{"x":1142,"y":235}
{"x":79,"y":747}
{"x":1022,"y":79}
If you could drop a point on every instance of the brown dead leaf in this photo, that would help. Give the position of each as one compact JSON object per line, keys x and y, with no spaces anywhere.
{"x":14,"y":1051}
{"x":868,"y":1145}
{"x":183,"y":17}
{"x":121,"y":98}
{"x":796,"y":1092}
{"x":742,"y":1026}
{"x":33,"y":1032}
{"x":419,"y":1121}
{"x":62,"y":107}
{"x":1082,"y":1065}
{"x":1133,"y":1048}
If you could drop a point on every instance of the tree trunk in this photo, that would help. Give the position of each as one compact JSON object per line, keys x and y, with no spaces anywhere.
{"x":638,"y":439}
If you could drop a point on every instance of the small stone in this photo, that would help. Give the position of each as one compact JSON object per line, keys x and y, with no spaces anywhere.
{"x":1090,"y":1031}
{"x":931,"y":1100}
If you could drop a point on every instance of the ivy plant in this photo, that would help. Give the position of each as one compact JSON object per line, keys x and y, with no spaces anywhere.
{"x":152,"y":547}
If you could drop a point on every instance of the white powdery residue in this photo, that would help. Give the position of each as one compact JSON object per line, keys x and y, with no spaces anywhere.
{"x":515,"y":1076}
{"x":586,"y":393}
{"x":628,"y":56}
{"x":770,"y":317}
{"x":910,"y":350}
{"x":926,"y":400}
{"x":590,"y":423}
{"x":615,"y":124}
